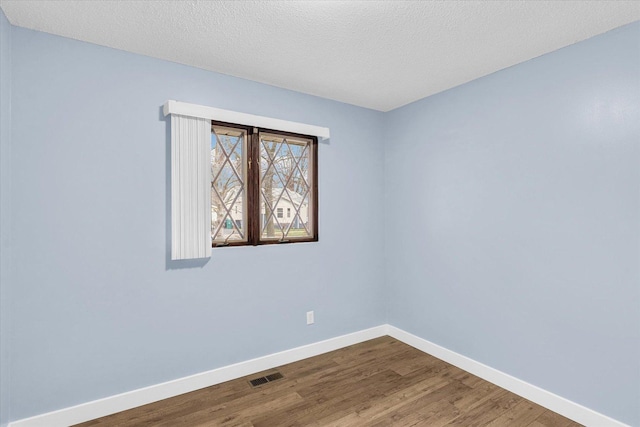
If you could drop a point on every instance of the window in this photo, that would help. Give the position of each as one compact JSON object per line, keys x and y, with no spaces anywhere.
{"x":227,"y":180}
{"x":255,"y":175}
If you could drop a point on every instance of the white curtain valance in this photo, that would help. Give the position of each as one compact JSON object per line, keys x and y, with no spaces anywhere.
{"x":190,"y":187}
{"x":211,"y":113}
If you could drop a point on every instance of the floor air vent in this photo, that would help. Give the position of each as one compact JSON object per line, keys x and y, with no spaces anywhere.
{"x":263,"y":380}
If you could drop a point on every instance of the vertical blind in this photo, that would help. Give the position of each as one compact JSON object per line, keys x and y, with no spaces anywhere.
{"x":190,"y":187}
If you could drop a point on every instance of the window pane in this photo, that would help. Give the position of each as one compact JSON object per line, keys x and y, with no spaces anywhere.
{"x":228,"y":185}
{"x":285,"y":183}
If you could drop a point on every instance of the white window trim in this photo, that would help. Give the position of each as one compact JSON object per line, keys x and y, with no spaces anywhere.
{"x":218,"y":114}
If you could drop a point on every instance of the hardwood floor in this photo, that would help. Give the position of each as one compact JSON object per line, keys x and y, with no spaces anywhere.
{"x":382,"y":382}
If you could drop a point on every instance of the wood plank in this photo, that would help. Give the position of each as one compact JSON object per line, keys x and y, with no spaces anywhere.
{"x":486,"y":410}
{"x":523,"y":414}
{"x":551,"y":419}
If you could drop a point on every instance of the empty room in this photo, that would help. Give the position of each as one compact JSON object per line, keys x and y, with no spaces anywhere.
{"x":319,"y":213}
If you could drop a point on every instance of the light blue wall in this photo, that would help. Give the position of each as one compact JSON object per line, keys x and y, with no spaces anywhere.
{"x":5,"y":212}
{"x":516,"y":204}
{"x":98,"y":308}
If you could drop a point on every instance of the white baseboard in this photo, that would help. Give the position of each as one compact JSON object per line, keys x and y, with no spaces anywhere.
{"x":553,"y":402}
{"x":121,"y":402}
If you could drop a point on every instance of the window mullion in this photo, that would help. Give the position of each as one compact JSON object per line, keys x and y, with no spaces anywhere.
{"x":254,"y":188}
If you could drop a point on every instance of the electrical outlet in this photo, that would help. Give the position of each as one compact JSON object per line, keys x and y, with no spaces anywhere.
{"x":310,"y":319}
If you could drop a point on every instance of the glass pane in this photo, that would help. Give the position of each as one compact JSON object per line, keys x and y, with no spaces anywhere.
{"x":228,"y":185}
{"x":285,"y":197}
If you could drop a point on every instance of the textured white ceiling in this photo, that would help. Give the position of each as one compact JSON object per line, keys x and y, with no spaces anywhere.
{"x":376,"y":54}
